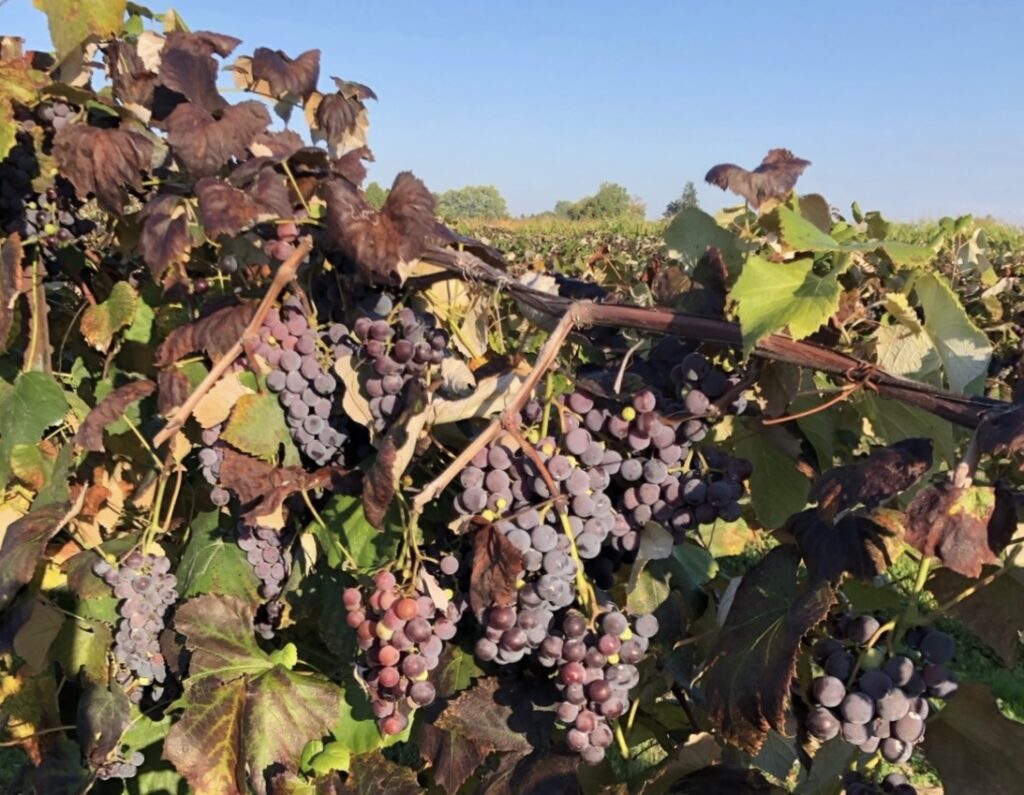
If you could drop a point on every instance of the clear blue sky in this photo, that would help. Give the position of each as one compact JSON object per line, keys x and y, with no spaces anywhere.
{"x":913,"y":108}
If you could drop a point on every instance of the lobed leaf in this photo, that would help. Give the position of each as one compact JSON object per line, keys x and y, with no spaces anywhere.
{"x":103,"y":162}
{"x":110,"y":410}
{"x":497,"y":567}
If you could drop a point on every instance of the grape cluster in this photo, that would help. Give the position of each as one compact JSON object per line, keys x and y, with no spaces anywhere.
{"x":391,"y":353}
{"x":403,"y":637}
{"x":283,"y":244}
{"x":855,"y":783}
{"x":211,"y":454}
{"x":16,"y":173}
{"x":877,"y":701}
{"x":306,"y":391}
{"x":596,"y":671}
{"x":146,"y":588}
{"x":121,"y":768}
{"x":268,"y":554}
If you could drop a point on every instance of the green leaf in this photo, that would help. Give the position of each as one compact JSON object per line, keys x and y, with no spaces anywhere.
{"x":214,"y":563}
{"x":974,"y":747}
{"x":893,"y":421}
{"x":907,"y":254}
{"x":754,"y":659}
{"x":963,"y":347}
{"x":218,"y":631}
{"x":102,"y":321}
{"x":141,"y":329}
{"x":73,"y":22}
{"x":774,"y":295}
{"x":692,"y":232}
{"x":334,"y":756}
{"x":34,"y":404}
{"x":801,"y":235}
{"x":82,"y":646}
{"x":348,"y":527}
{"x":777,"y":487}
{"x":355,"y":726}
{"x":257,"y":427}
{"x":456,"y":672}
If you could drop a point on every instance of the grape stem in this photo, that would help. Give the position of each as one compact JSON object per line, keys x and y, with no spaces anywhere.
{"x":620,"y":738}
{"x":285,"y":274}
{"x":545,"y":359}
{"x":583,"y":588}
{"x":295,"y":187}
{"x":320,"y":521}
{"x":872,"y":642}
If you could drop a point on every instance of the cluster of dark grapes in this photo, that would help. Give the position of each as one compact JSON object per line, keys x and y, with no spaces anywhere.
{"x":51,"y":217}
{"x":305,"y":389}
{"x":283,"y":243}
{"x":596,"y":671}
{"x":855,"y":783}
{"x":16,"y":173}
{"x":125,"y":767}
{"x":146,"y":588}
{"x":268,"y":554}
{"x":402,"y":637}
{"x":877,"y":701}
{"x":211,"y":454}
{"x":391,"y":353}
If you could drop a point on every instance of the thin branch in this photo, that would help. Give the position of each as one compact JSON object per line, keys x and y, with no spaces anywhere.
{"x":285,"y":273}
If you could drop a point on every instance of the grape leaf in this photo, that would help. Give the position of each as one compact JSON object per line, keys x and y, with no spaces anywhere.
{"x":963,"y":347}
{"x":22,"y":545}
{"x":874,"y":479}
{"x":693,"y":232}
{"x":348,"y":528}
{"x":164,"y":238}
{"x":102,"y":321}
{"x":261,"y":487}
{"x":103,"y":715}
{"x":698,"y":751}
{"x":34,"y":404}
{"x":82,"y":646}
{"x":497,"y":566}
{"x":973,"y":746}
{"x":109,"y":410}
{"x":19,"y":83}
{"x":187,"y":66}
{"x":103,"y":162}
{"x":964,"y":527}
{"x":754,"y":658}
{"x":205,"y":143}
{"x":224,"y":210}
{"x":273,"y":72}
{"x":213,"y":563}
{"x":854,"y":545}
{"x":554,"y":772}
{"x":907,"y":253}
{"x":993,"y":612}
{"x":456,"y":671}
{"x":257,"y":427}
{"x":372,"y":774}
{"x":893,"y":421}
{"x":777,"y":488}
{"x":71,"y":23}
{"x":1002,"y":432}
{"x":218,"y":630}
{"x":722,"y":780}
{"x":213,"y":334}
{"x":776,"y":295}
{"x":773,"y":178}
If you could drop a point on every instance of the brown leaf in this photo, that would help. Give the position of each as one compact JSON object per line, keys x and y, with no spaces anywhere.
{"x":773,"y":179}
{"x":164,"y":239}
{"x":377,"y":242}
{"x":284,"y":75}
{"x":262,"y":488}
{"x":1002,"y":432}
{"x":975,"y":748}
{"x":336,"y":116}
{"x":108,"y":411}
{"x":224,"y":210}
{"x":722,"y":780}
{"x":453,"y":758}
{"x":372,"y":774}
{"x":133,"y":83}
{"x":350,"y":165}
{"x":12,"y":283}
{"x":279,"y":144}
{"x":964,"y":527}
{"x":379,"y":484}
{"x":213,"y":334}
{"x":497,"y":565}
{"x":993,"y":612}
{"x":205,"y":142}
{"x":187,"y":66}
{"x":541,"y":773}
{"x":885,"y":473}
{"x":854,"y":545}
{"x":754,"y":659}
{"x":102,"y":161}
{"x":706,"y":293}
{"x":173,"y":391}
{"x":21,"y":547}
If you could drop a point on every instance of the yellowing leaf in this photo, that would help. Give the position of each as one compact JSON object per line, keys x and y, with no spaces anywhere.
{"x":215,"y":406}
{"x":257,"y":426}
{"x":72,"y":21}
{"x":101,"y":322}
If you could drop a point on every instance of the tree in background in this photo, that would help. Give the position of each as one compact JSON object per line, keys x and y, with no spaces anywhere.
{"x":472,"y":201}
{"x":376,"y":195}
{"x":688,"y":199}
{"x":611,"y":201}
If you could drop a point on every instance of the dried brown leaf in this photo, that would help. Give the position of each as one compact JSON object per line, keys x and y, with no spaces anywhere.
{"x":1002,"y":432}
{"x":22,"y":545}
{"x":213,"y":334}
{"x":133,"y":83}
{"x":103,"y":161}
{"x":205,"y":142}
{"x":350,"y":165}
{"x":497,"y":566}
{"x":854,"y":545}
{"x":965,"y":528}
{"x":110,"y":410}
{"x":224,"y":210}
{"x":164,"y":240}
{"x":187,"y":66}
{"x":262,"y":488}
{"x":379,"y":484}
{"x":379,"y":242}
{"x":773,"y":179}
{"x":885,"y":473}
{"x":284,"y":75}
{"x":174,"y":389}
